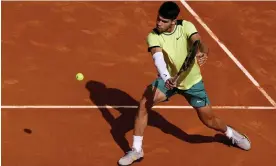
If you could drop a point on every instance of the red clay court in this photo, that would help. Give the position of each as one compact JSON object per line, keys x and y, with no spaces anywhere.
{"x":44,"y":45}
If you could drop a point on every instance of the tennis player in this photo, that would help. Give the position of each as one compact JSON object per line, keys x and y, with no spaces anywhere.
{"x":169,"y":43}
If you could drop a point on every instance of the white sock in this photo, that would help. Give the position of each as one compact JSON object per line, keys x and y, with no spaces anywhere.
{"x":137,"y":142}
{"x":229,"y":132}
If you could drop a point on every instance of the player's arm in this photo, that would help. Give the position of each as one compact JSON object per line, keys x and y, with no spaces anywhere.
{"x":160,"y":63}
{"x":161,"y":66}
{"x":202,"y":47}
{"x":202,"y":55}
{"x":193,"y":35}
{"x":154,"y":47}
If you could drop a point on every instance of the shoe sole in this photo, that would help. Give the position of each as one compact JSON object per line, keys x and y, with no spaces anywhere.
{"x":138,"y":160}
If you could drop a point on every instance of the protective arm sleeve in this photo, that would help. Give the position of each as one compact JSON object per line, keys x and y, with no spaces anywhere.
{"x":161,"y":66}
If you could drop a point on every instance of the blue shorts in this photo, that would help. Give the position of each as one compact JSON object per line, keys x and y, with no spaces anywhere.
{"x":196,"y":95}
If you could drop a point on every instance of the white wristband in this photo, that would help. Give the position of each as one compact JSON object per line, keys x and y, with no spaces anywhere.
{"x":161,"y":66}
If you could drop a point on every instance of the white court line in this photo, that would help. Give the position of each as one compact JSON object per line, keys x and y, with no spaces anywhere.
{"x":229,"y":53}
{"x":130,"y":107}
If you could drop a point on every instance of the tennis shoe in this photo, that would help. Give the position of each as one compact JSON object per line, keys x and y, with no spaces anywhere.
{"x":131,"y":156}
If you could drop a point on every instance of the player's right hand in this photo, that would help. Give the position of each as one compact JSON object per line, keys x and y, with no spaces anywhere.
{"x":170,"y":84}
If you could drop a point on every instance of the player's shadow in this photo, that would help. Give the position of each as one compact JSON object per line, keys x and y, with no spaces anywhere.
{"x":101,"y":95}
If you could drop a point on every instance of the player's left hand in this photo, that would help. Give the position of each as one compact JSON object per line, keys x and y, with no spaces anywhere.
{"x":170,"y":83}
{"x":201,"y":58}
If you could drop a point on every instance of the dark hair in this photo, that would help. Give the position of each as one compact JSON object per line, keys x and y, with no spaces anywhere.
{"x":169,"y":10}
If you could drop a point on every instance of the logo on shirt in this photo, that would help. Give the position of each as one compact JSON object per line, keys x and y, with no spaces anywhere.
{"x":179,"y":37}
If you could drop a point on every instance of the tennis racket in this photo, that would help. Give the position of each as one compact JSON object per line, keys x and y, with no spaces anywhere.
{"x":189,"y":60}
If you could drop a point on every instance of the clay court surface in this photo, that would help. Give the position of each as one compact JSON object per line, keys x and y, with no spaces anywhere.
{"x":44,"y":45}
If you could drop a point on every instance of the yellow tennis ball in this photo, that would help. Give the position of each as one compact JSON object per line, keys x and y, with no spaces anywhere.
{"x":79,"y":76}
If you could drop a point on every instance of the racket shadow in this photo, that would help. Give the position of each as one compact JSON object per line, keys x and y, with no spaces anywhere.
{"x":102,"y":95}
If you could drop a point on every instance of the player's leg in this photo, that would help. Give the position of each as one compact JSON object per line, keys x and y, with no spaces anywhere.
{"x":153,"y":94}
{"x":207,"y":117}
{"x":197,"y":97}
